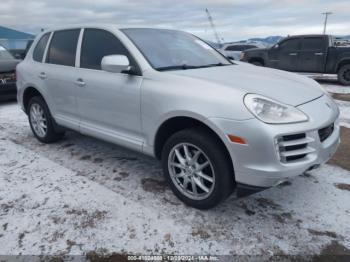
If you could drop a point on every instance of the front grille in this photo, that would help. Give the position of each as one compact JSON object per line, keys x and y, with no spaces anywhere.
{"x":326,"y":132}
{"x":294,"y":147}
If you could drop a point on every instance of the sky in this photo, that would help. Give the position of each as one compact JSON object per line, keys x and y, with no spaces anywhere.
{"x":234,"y":19}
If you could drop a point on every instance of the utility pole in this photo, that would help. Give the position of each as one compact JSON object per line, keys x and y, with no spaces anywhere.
{"x":211,"y":21}
{"x":325,"y":21}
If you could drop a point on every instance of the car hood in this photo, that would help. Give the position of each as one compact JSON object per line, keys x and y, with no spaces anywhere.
{"x":8,"y":65}
{"x":288,"y":88}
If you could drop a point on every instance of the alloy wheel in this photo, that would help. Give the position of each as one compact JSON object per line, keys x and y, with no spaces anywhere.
{"x":38,"y":120}
{"x":191,"y":171}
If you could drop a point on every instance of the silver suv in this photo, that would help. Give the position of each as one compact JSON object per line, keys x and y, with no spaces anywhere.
{"x":216,"y":126}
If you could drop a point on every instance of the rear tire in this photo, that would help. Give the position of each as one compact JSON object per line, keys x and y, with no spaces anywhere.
{"x":213,"y":183}
{"x":41,"y":122}
{"x":344,"y":75}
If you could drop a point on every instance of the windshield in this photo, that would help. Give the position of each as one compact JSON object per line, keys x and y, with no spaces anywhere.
{"x":174,"y":50}
{"x":4,"y":54}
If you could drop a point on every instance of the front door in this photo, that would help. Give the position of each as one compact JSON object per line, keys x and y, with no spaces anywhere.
{"x":109,"y":103}
{"x":286,"y":55}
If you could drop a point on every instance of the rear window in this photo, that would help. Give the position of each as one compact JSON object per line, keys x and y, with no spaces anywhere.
{"x":239,"y":47}
{"x":63,"y":47}
{"x":313,"y":43}
{"x":40,"y":48}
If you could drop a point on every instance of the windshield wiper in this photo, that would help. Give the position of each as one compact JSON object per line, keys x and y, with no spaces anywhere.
{"x":218,"y":64}
{"x":176,"y":67}
{"x":185,"y":67}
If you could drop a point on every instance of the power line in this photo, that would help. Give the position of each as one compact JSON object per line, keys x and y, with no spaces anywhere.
{"x":325,"y":21}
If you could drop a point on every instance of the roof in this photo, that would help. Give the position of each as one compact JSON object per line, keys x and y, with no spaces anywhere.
{"x":110,"y":26}
{"x":75,"y":26}
{"x":8,"y":33}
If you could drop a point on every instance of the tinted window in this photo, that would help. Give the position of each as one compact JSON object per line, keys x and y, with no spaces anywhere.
{"x":97,"y":44}
{"x":249,"y":47}
{"x":40,"y":48}
{"x":234,"y":48}
{"x":315,"y":43}
{"x":290,"y":45}
{"x":239,"y":47}
{"x":63,"y":47}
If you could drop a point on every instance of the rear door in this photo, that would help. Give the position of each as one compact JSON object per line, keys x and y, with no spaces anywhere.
{"x":286,"y":55}
{"x":313,"y":54}
{"x":60,"y":75}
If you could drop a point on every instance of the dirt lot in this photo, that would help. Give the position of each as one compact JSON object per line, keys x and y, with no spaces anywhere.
{"x":84,"y":196}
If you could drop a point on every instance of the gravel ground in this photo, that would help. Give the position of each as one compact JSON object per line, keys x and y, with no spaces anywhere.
{"x":82,"y":196}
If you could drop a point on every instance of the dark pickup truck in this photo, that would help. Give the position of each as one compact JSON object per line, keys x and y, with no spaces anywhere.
{"x":7,"y":75}
{"x":305,"y":53}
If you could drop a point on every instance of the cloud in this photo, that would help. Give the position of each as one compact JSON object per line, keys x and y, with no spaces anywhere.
{"x":234,"y":19}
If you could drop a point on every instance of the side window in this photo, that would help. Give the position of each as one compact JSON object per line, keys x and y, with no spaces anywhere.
{"x":249,"y":47}
{"x":233,"y":48}
{"x":98,"y":43}
{"x":63,"y":47}
{"x":39,"y":50}
{"x":290,"y":45}
{"x":313,"y":43}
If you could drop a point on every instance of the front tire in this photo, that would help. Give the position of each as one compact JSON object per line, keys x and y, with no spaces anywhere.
{"x":41,"y":121}
{"x":197,"y":168}
{"x":344,"y":75}
{"x":257,"y":63}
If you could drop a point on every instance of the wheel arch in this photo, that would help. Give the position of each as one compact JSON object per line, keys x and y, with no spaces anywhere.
{"x":343,"y":62}
{"x":177,"y":123}
{"x":28,"y":93}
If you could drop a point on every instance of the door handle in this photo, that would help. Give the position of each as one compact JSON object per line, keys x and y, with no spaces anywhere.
{"x":42,"y":75}
{"x":318,"y":53}
{"x":80,"y":82}
{"x":293,"y":54}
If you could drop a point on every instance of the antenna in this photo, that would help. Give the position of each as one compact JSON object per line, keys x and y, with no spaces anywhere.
{"x":213,"y":26}
{"x":325,"y":21}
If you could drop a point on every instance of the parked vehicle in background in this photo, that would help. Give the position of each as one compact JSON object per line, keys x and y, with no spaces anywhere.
{"x":233,"y":51}
{"x":305,"y":53}
{"x":215,"y":125}
{"x":17,"y":47}
{"x":7,"y":74}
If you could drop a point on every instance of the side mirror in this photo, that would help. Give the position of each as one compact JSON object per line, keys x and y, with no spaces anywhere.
{"x":276,"y":46}
{"x":115,"y":63}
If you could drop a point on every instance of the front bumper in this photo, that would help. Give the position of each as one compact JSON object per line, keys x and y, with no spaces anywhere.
{"x":258,"y":163}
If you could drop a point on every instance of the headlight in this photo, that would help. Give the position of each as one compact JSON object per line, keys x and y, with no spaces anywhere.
{"x":273,"y":112}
